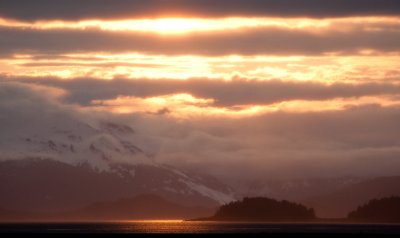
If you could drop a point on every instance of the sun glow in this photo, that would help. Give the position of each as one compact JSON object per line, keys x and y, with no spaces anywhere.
{"x":156,"y":221}
{"x":187,"y":25}
{"x":169,"y":25}
{"x":182,"y":106}
{"x":161,"y":25}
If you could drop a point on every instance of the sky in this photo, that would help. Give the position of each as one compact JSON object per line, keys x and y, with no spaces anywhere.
{"x":240,"y":89}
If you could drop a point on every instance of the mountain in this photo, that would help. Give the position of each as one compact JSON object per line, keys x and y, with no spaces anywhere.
{"x":37,"y":185}
{"x":292,"y":189}
{"x":262,"y":209}
{"x":74,"y":141}
{"x":141,"y":207}
{"x":339,"y":203}
{"x":56,"y":158}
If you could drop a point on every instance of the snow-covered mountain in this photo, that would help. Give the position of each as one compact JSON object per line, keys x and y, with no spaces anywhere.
{"x":54,"y":156}
{"x":102,"y":151}
{"x":74,"y":142}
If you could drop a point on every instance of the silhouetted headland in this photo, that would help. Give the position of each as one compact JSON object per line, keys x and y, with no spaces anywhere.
{"x":262,"y":209}
{"x":378,"y":210}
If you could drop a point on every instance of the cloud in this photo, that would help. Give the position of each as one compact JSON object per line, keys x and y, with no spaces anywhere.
{"x":249,"y":41}
{"x":25,"y":107}
{"x":224,"y":93}
{"x":110,"y":9}
{"x":360,"y":141}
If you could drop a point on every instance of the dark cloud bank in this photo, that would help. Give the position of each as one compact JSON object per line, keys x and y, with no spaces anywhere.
{"x":252,"y":41}
{"x":29,"y":10}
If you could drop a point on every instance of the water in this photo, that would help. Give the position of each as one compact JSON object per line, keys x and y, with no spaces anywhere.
{"x":196,"y":227}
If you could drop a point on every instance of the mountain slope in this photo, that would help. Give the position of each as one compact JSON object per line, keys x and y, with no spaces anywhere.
{"x":141,"y":207}
{"x":292,"y":189}
{"x":47,"y":185}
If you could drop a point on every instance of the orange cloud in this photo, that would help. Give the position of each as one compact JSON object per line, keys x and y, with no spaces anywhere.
{"x":181,"y":106}
{"x":186,"y":106}
{"x":327,"y":69}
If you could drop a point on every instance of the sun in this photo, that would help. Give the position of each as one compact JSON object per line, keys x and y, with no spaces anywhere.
{"x":175,"y":25}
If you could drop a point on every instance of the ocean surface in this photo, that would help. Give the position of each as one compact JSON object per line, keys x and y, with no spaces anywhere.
{"x":196,"y":227}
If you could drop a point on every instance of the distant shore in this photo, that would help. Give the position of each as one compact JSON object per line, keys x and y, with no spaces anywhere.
{"x":312,"y":221}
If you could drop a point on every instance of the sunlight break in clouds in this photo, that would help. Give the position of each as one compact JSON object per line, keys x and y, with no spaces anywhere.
{"x":325,"y":69}
{"x":179,"y":106}
{"x":185,"y":106}
{"x":188,"y":25}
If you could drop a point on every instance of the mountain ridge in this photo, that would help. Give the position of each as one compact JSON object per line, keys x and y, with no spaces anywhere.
{"x":49,"y":185}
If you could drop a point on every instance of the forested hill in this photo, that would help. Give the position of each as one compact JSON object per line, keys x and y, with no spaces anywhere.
{"x":378,"y":210}
{"x":263,"y":209}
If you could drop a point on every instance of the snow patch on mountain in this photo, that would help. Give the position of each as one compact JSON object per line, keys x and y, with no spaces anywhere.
{"x":221,"y":198}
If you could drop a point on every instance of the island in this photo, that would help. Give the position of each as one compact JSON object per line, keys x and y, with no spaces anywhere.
{"x":262,"y":209}
{"x":384,"y":210}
